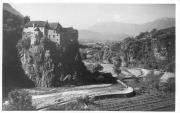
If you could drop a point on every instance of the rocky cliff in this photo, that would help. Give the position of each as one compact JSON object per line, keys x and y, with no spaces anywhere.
{"x":47,"y":64}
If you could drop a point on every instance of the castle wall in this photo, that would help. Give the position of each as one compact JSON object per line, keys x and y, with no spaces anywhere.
{"x":68,"y":38}
{"x":30,"y":29}
{"x":54,"y":36}
{"x":64,"y":38}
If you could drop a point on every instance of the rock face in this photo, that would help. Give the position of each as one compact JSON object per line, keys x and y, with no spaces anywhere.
{"x":48,"y":64}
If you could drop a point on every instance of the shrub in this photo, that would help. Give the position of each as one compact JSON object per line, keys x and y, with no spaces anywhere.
{"x":149,"y":84}
{"x":168,"y":86}
{"x":19,"y":100}
{"x":151,"y":81}
{"x":85,"y":100}
{"x":117,"y":70}
{"x":94,"y":67}
{"x":140,"y":91}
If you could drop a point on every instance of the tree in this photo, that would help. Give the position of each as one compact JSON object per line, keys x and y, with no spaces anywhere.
{"x":26,"y":19}
{"x":116,"y":65}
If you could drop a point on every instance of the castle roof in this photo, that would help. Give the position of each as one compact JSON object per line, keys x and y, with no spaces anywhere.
{"x":69,"y":29}
{"x":36,"y":24}
{"x":54,"y":25}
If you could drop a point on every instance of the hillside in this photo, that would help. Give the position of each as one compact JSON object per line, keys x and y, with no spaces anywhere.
{"x":10,"y":9}
{"x":12,"y":19}
{"x":13,"y":75}
{"x":153,"y":50}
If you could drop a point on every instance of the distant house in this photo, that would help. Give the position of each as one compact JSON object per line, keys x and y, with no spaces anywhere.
{"x":53,"y":31}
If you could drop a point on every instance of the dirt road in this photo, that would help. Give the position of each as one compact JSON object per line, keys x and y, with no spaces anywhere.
{"x":44,"y":100}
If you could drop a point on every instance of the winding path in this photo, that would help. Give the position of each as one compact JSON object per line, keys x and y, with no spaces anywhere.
{"x":41,"y":101}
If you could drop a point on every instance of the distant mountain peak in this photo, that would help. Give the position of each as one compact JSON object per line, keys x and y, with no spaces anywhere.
{"x":130,"y":28}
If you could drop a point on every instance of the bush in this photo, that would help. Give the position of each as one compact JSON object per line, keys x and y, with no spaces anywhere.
{"x":168,"y":86}
{"x":148,"y":84}
{"x":85,"y":100}
{"x":151,"y":80}
{"x":117,"y":70}
{"x":140,"y":91}
{"x":94,"y":67}
{"x":18,"y":100}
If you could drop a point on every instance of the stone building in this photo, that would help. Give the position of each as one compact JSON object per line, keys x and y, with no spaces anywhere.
{"x":53,"y":31}
{"x":68,"y":35}
{"x":37,"y":34}
{"x":32,"y":25}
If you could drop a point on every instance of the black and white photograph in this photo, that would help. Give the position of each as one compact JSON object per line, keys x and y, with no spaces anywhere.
{"x":79,"y":56}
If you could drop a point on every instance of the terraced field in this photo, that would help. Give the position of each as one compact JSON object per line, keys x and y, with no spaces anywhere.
{"x":153,"y":102}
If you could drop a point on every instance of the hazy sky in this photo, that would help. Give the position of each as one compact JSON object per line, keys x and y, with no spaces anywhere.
{"x":83,"y":16}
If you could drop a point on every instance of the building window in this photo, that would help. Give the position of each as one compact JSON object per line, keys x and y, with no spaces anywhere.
{"x":49,"y":36}
{"x":53,"y":35}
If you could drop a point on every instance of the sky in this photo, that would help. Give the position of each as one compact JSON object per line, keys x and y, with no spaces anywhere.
{"x":83,"y":16}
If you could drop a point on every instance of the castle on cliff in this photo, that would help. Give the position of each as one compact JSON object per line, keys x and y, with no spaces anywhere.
{"x":53,"y":31}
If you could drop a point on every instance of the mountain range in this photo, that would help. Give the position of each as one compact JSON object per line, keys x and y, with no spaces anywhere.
{"x":118,"y":31}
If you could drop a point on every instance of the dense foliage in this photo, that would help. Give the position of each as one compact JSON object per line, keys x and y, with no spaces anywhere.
{"x":152,"y":50}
